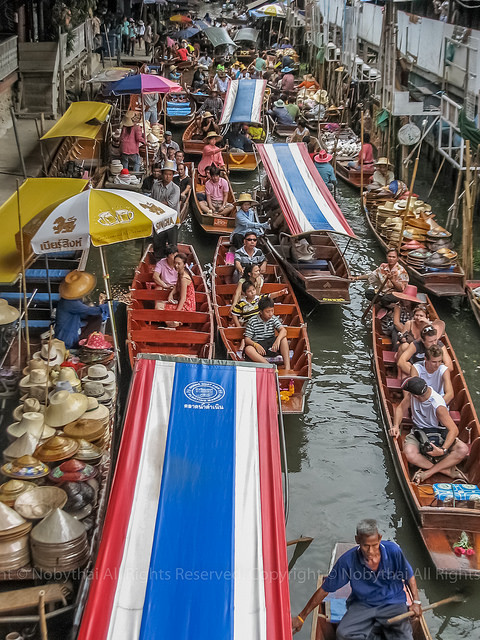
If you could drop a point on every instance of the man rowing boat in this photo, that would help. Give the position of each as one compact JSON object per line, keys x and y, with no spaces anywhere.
{"x":377,"y":572}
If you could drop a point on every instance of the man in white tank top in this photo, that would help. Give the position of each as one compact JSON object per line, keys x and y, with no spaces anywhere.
{"x":429,"y":414}
{"x":435,"y":373}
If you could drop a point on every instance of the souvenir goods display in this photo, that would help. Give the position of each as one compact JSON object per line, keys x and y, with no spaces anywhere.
{"x":11,"y":490}
{"x":72,"y":471}
{"x":59,"y":543}
{"x":25,"y":468}
{"x":65,"y":407}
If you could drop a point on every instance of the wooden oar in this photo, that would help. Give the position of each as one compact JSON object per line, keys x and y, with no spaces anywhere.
{"x":410,"y":614}
{"x":299,"y":540}
{"x":375,"y":298}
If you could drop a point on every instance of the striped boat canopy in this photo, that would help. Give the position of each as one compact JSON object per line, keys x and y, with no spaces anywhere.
{"x":305,"y":199}
{"x":244,"y":101}
{"x":193,"y":544}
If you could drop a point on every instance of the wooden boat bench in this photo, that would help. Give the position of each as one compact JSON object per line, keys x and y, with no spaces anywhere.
{"x":24,"y":600}
{"x":321,"y":265}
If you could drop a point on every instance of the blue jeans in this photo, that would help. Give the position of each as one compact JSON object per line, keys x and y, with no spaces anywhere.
{"x":133,"y":158}
{"x":151,"y":115}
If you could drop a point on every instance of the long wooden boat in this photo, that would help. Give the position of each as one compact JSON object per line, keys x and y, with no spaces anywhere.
{"x":286,"y":307}
{"x":438,"y":283}
{"x":179,"y":113}
{"x":146,"y":328}
{"x":440,"y":525}
{"x":473,"y":299}
{"x":353,"y":176}
{"x":217,"y":225}
{"x":325,"y":618}
{"x":190,"y":144}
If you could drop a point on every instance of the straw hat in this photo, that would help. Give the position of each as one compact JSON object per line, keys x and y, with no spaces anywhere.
{"x":321,"y":96}
{"x":210,"y":135}
{"x":96,"y":411}
{"x":11,"y":490}
{"x":25,"y":468}
{"x":279,"y":103}
{"x":73,"y":471}
{"x":322,"y":156}
{"x":95,"y":340}
{"x":11,"y":522}
{"x":49,"y":355}
{"x":8,"y":313}
{"x":99,"y":373}
{"x":381,"y":162}
{"x":388,"y":206}
{"x":34,"y":364}
{"x":88,"y":452}
{"x":409,"y":293}
{"x":65,"y":407}
{"x":168,"y":165}
{"x":77,"y":284}
{"x":68,"y":374}
{"x":38,"y":377}
{"x":33,"y":423}
{"x":96,"y":390}
{"x":246,"y":197}
{"x":30,"y":404}
{"x":23,"y":446}
{"x":91,"y":430}
{"x":40,"y":502}
{"x":56,"y":449}
{"x":127,"y":121}
{"x":206,"y":115}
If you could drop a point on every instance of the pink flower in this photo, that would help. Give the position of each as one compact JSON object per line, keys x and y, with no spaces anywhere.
{"x":458,"y":551}
{"x":470,"y":552}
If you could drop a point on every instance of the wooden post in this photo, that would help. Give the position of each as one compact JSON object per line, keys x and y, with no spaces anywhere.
{"x":361,"y":153}
{"x":467,"y":223}
{"x":147,"y":168}
{"x":41,"y":615}
{"x":24,"y":280}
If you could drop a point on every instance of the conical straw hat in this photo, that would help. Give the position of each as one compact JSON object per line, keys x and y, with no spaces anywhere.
{"x":56,"y":449}
{"x":23,"y":446}
{"x":57,"y":528}
{"x":9,"y":519}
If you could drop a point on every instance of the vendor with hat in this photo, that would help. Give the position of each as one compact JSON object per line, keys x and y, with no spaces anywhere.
{"x":130,"y":140}
{"x":213,"y":104}
{"x":383,"y":174}
{"x":280,"y":114}
{"x":168,"y":193}
{"x":74,"y":318}
{"x":200,"y":77}
{"x":287,"y":82}
{"x":211,"y":154}
{"x":325,"y":169}
{"x":206,"y":124}
{"x":245,"y":220}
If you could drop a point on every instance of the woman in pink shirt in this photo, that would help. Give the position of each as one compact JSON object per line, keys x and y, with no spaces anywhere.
{"x":130,"y":140}
{"x":216,"y":192}
{"x":165,"y":275}
{"x":366,"y":152}
{"x":211,"y":153}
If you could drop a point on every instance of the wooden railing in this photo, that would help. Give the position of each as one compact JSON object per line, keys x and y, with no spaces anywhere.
{"x":8,"y":57}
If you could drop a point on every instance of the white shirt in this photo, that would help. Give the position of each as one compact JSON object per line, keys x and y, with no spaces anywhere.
{"x":424,"y":414}
{"x":435,"y":379}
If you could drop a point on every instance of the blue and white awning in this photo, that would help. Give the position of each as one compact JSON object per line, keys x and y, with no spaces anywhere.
{"x":305,"y":199}
{"x":244,"y":101}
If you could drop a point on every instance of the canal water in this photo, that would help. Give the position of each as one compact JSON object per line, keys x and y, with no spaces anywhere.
{"x":339,"y":466}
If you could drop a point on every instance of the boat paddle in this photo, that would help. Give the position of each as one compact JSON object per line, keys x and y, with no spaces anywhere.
{"x":375,"y":299}
{"x":300,"y":540}
{"x":459,"y":597}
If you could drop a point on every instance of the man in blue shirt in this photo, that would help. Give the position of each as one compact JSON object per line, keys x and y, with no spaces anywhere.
{"x":324,"y":168}
{"x":376,"y":571}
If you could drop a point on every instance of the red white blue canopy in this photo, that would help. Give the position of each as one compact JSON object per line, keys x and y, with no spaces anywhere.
{"x":193,"y":544}
{"x":244,"y":101}
{"x":305,"y":199}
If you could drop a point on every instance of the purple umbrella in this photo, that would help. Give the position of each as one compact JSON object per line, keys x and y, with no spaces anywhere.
{"x":145,"y":83}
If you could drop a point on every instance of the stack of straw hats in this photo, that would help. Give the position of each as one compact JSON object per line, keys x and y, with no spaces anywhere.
{"x":59,"y":543}
{"x":11,"y":490}
{"x":40,"y":502}
{"x":14,"y":550}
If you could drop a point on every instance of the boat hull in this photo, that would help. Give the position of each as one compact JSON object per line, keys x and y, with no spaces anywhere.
{"x":474,"y":302}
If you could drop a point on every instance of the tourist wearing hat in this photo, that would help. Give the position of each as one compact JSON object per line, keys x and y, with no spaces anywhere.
{"x":168,"y":193}
{"x":130,"y":140}
{"x":366,"y":152}
{"x":166,"y":144}
{"x":287,"y":81}
{"x":200,"y":77}
{"x":383,"y":174}
{"x":325,"y":169}
{"x":211,"y":154}
{"x":74,"y":318}
{"x":245,"y":220}
{"x":431,"y":417}
{"x":279,"y":113}
{"x":213,"y":104}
